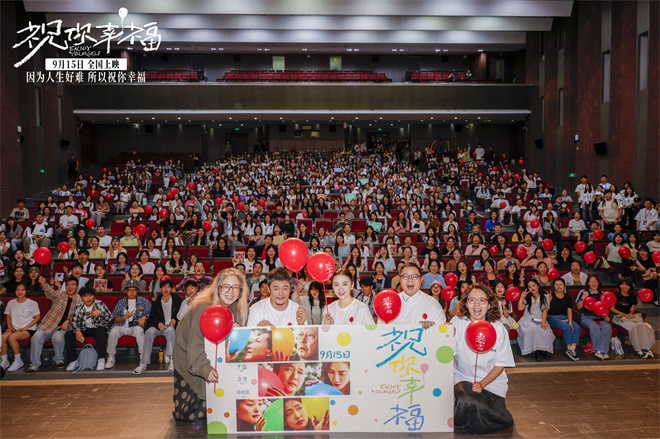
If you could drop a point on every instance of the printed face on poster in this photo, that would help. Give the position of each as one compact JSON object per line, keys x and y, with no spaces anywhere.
{"x":362,"y":378}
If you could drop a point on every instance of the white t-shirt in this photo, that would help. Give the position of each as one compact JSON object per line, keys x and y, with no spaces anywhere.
{"x":414,"y":308}
{"x":645,"y":217}
{"x":577,"y":225}
{"x":68,"y":221}
{"x":480,"y":153}
{"x":357,"y":313}
{"x":22,"y":313}
{"x":132,"y":306}
{"x":89,"y":321}
{"x":167,"y":310}
{"x":104,"y":241}
{"x":263,"y":310}
{"x":465,"y":358}
{"x":38,"y":229}
{"x":183,"y":309}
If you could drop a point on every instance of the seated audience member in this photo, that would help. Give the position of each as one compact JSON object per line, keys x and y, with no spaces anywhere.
{"x":560,"y":315}
{"x":130,"y":316}
{"x":190,"y":290}
{"x":647,"y":218}
{"x":199,"y":277}
{"x":162,"y":321}
{"x":90,"y":319}
{"x":68,"y":222}
{"x":647,"y":270}
{"x":278,"y":310}
{"x":367,"y":294}
{"x":22,"y":317}
{"x":55,"y":323}
{"x":346,"y":310}
{"x":480,"y":405}
{"x":642,"y":335}
{"x":534,"y":333}
{"x":575,"y":276}
{"x":416,"y":306}
{"x":38,"y":234}
{"x":600,"y":329}
{"x":313,"y":302}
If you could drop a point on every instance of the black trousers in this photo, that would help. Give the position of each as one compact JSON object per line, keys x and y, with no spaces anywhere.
{"x":99,"y":334}
{"x":479,"y":413}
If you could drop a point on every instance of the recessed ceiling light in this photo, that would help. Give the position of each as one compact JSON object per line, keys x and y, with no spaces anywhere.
{"x":189,"y":120}
{"x":241,"y":124}
{"x":381,"y":118}
{"x":480,"y":50}
{"x":356,"y":50}
{"x":369,"y":124}
{"x":280,"y":118}
{"x":349,"y":50}
{"x":431,"y":117}
{"x":438,"y":50}
{"x":445,"y":50}
{"x":127,"y":118}
{"x":455,"y":117}
{"x":221,"y":48}
{"x":255,"y":118}
{"x":230,"y":118}
{"x":176,"y":48}
{"x":304,"y":50}
{"x":212,"y":48}
{"x":479,"y":117}
{"x":394,"y":50}
{"x":401,"y":50}
{"x":168,"y":48}
{"x":179,"y":118}
{"x":356,"y":118}
{"x":129,"y":48}
{"x":330,"y":117}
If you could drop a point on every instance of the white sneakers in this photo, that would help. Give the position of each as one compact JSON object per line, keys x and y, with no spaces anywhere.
{"x":101,"y":364}
{"x":5,"y":364}
{"x":17,"y":364}
{"x":111,"y":362}
{"x":141,"y":368}
{"x":72,"y":366}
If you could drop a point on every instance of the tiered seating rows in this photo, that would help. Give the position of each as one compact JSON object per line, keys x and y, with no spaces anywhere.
{"x":300,"y":75}
{"x":173,"y":75}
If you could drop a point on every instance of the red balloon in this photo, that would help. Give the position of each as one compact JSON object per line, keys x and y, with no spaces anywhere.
{"x":535,"y":224}
{"x":506,"y":166}
{"x":493,"y":250}
{"x":521,"y":253}
{"x":480,"y":336}
{"x":294,"y":255}
{"x":216,"y":170}
{"x":42,"y":255}
{"x":235,"y":199}
{"x":320,"y":266}
{"x":548,"y":244}
{"x":191,"y":185}
{"x":656,"y":256}
{"x":305,"y":215}
{"x":516,"y":176}
{"x":451,"y":279}
{"x":104,"y":170}
{"x":448,"y":294}
{"x":598,"y":234}
{"x":600,"y":309}
{"x":218,"y":201}
{"x":140,"y":229}
{"x":521,"y":162}
{"x":502,"y":205}
{"x":268,"y":379}
{"x":474,"y":154}
{"x":63,"y":247}
{"x":108,"y":197}
{"x":624,"y":252}
{"x":174,"y":190}
{"x":170,"y":195}
{"x":173,"y":179}
{"x":148,"y":209}
{"x":216,"y":323}
{"x":589,"y":303}
{"x":645,"y":294}
{"x":590,"y":258}
{"x":90,"y":223}
{"x":580,"y":246}
{"x":387,"y":303}
{"x":494,"y":168}
{"x":512,"y":294}
{"x":462,"y":162}
{"x":608,"y":298}
{"x":262,"y":203}
{"x":553,"y":274}
{"x":163,"y":213}
{"x":207,"y":225}
{"x":240,"y":206}
{"x":503,"y":156}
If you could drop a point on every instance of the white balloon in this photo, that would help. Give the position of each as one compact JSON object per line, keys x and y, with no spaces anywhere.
{"x":123,"y":12}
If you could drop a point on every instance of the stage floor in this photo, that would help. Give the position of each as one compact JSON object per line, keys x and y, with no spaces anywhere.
{"x":577,"y":401}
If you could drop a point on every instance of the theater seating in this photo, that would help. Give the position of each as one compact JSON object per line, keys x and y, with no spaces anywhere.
{"x":304,"y":76}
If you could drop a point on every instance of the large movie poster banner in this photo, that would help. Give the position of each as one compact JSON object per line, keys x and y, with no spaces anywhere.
{"x":389,"y":378}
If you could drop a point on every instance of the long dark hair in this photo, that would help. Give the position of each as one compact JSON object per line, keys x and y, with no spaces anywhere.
{"x":318,"y":287}
{"x":493,"y":313}
{"x":543,"y":301}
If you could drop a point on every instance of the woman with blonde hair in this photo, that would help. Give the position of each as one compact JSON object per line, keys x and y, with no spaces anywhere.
{"x":192,"y":369}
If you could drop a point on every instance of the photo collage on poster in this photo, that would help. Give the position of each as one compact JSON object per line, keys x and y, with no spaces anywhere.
{"x":294,"y":383}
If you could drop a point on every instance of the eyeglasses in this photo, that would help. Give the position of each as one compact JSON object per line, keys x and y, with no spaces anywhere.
{"x":225,"y":288}
{"x":474,"y":301}
{"x":410,"y":276}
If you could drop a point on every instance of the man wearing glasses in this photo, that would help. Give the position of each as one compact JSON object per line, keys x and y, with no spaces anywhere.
{"x":162,"y":321}
{"x":417,"y":307}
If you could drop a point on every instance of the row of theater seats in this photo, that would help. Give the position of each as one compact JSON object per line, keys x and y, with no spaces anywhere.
{"x":173,"y":75}
{"x":304,"y":76}
{"x":146,"y":157}
{"x":435,"y":76}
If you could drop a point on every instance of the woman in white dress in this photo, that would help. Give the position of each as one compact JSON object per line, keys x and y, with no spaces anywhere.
{"x":480,"y":404}
{"x":642,"y":335}
{"x":534,"y":333}
{"x":346,"y":310}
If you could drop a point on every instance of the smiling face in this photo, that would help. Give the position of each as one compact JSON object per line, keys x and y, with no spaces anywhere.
{"x":295,"y":416}
{"x":250,"y":410}
{"x":231,"y":295}
{"x":342,"y":286}
{"x":280,"y":291}
{"x":292,"y":376}
{"x":308,"y":343}
{"x":477,"y":304}
{"x":411,"y":280}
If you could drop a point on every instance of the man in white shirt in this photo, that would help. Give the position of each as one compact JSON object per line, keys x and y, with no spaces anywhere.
{"x":68,"y":221}
{"x":417,"y":307}
{"x":278,"y":310}
{"x":40,"y":232}
{"x":647,"y":217}
{"x":604,"y":183}
{"x":480,"y":151}
{"x":497,"y":204}
{"x":104,"y":240}
{"x":580,"y":188}
{"x":610,"y":210}
{"x":20,"y":213}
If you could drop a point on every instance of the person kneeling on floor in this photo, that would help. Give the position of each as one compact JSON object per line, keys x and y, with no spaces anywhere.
{"x":130,"y":316}
{"x":162,"y":321}
{"x":90,"y":319}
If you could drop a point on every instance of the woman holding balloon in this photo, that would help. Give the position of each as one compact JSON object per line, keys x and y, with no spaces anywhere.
{"x":482,"y":351}
{"x":642,"y":335}
{"x":192,"y":369}
{"x":595,"y":317}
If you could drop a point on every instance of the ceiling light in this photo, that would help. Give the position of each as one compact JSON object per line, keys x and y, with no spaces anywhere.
{"x":176,"y":48}
{"x":401,"y":50}
{"x":479,"y":117}
{"x":129,"y":48}
{"x":381,"y":118}
{"x":177,"y":118}
{"x":168,"y":48}
{"x":221,"y":48}
{"x":230,"y":118}
{"x":212,"y":48}
{"x":304,"y":50}
{"x":455,"y":117}
{"x":369,"y":124}
{"x":356,"y":50}
{"x":280,"y":118}
{"x":152,"y":118}
{"x":255,"y":118}
{"x":438,"y":50}
{"x":349,"y":50}
{"x":259,"y":50}
{"x":480,"y":50}
{"x":394,"y":50}
{"x":241,"y":124}
{"x":330,"y":117}
{"x":189,"y":120}
{"x":445,"y":50}
{"x":127,"y":118}
{"x":431,"y":117}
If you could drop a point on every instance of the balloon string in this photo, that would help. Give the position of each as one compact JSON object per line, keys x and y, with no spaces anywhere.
{"x":216,"y":366}
{"x":475,"y":368}
{"x":298,"y":286}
